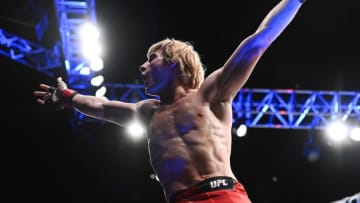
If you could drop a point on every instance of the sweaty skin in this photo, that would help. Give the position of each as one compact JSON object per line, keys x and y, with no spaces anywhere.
{"x":189,"y":143}
{"x":189,"y":131}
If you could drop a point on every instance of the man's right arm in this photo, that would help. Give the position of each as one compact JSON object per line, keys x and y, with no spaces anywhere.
{"x":116,"y":112}
{"x":120,"y":113}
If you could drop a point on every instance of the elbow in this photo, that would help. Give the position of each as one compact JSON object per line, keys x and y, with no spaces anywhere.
{"x":257,"y":49}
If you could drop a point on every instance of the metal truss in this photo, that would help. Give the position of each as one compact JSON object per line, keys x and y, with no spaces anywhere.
{"x":30,"y":54}
{"x":297,"y":109}
{"x":267,"y":108}
{"x":71,"y":15}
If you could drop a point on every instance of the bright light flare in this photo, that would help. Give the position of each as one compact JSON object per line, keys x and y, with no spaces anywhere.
{"x":96,"y":64}
{"x":89,"y":36}
{"x":136,"y":130}
{"x":100,"y":92}
{"x":355,"y":134}
{"x":89,"y":32}
{"x":337,"y":131}
{"x":91,"y":49}
{"x":241,"y":130}
{"x":97,"y":81}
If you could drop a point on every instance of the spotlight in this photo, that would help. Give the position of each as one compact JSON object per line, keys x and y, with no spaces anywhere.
{"x":100,"y":92}
{"x":97,"y":81}
{"x":136,"y":130}
{"x":96,"y":64}
{"x":337,"y":131}
{"x":89,"y":32}
{"x":91,"y":50}
{"x":355,"y":134}
{"x":241,"y":130}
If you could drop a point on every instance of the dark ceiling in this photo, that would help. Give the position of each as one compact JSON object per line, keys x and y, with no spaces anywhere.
{"x":319,"y":45}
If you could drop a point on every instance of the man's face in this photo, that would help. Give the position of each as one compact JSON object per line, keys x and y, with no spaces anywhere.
{"x":156,"y":73}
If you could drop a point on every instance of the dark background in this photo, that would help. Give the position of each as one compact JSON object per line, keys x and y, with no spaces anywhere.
{"x":50,"y":158}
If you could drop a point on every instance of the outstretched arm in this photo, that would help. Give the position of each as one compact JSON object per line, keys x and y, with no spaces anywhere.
{"x":279,"y":18}
{"x":224,"y":83}
{"x":116,"y":112}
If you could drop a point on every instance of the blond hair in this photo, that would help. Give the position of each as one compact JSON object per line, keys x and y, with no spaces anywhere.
{"x":183,"y":54}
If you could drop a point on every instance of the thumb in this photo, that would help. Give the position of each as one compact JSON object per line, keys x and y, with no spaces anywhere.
{"x":61,"y":84}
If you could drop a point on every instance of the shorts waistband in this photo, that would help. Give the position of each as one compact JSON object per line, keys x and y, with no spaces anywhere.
{"x":208,"y":185}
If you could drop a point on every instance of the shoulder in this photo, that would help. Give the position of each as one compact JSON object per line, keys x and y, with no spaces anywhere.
{"x":147,"y":107}
{"x":148,"y":103}
{"x":208,"y":89}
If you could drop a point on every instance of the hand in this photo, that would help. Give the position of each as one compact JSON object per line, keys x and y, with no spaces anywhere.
{"x":46,"y":96}
{"x":61,"y":96}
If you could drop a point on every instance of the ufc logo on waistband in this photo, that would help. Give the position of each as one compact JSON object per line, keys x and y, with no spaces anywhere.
{"x":218,"y":183}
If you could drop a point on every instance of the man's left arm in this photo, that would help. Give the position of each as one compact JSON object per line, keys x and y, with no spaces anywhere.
{"x":227,"y":81}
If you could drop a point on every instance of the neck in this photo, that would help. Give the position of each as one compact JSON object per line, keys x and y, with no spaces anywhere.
{"x":169,"y":97}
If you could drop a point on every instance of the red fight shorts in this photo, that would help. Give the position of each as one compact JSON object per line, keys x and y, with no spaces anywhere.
{"x":213,"y":190}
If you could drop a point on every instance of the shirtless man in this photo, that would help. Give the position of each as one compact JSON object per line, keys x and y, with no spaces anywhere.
{"x":189,"y":127}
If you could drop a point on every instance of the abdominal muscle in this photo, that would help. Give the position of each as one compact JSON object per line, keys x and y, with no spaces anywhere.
{"x":182,"y":160}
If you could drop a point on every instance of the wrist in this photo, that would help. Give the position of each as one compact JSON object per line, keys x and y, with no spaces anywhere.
{"x":67,"y":97}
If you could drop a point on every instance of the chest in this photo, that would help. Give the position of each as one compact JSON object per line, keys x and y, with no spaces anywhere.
{"x":179,"y":118}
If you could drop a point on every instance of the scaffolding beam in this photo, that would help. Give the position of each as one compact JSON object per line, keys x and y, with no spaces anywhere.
{"x":30,"y":54}
{"x":71,"y":15}
{"x":295,"y":109}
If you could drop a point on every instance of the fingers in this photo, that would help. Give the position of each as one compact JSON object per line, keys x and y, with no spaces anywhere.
{"x":43,"y":100}
{"x":44,"y":97}
{"x":40,"y":101}
{"x":47,"y":88}
{"x":46,"y":93}
{"x":40,"y":93}
{"x":51,"y":89}
{"x":44,"y":87}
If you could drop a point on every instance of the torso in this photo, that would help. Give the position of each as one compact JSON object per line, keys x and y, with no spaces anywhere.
{"x":189,"y":141}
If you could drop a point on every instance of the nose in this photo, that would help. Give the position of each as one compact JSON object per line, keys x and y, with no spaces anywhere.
{"x":142,"y":69}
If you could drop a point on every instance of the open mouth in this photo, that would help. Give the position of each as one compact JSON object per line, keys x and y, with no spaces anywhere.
{"x":145,"y":81}
{"x":143,"y":78}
